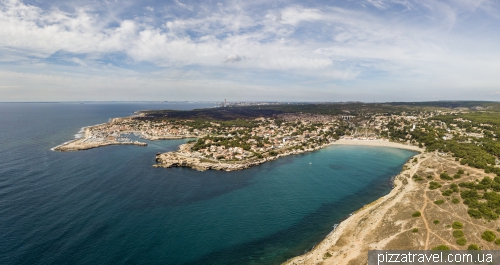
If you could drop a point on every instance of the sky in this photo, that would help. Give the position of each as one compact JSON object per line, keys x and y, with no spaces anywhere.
{"x":351,"y":50}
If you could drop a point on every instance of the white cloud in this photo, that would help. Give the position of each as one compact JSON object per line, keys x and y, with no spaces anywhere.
{"x":329,"y":44}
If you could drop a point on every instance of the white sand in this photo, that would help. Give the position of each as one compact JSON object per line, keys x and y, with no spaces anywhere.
{"x":379,"y":142}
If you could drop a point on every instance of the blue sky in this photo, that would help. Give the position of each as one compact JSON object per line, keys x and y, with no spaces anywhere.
{"x":366,"y":50}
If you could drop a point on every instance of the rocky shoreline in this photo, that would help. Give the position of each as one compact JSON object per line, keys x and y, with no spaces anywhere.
{"x":182,"y":159}
{"x":77,"y":145}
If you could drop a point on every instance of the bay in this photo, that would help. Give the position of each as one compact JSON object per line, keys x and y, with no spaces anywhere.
{"x":110,"y":206}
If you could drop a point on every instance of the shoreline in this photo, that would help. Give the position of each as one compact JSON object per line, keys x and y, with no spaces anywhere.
{"x":379,"y":142}
{"x":178,"y":159}
{"x":374,"y":210}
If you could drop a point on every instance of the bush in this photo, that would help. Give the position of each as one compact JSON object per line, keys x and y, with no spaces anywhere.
{"x":414,"y":230}
{"x":439,"y":202}
{"x":441,"y":247}
{"x":436,"y":222}
{"x":460,"y":171}
{"x":497,"y":241}
{"x":416,"y":214}
{"x":457,"y":225}
{"x":474,"y":213}
{"x":473,"y":247}
{"x":445,"y":176}
{"x":455,"y":200}
{"x":458,"y":233}
{"x":417,"y":178}
{"x":434,"y":185}
{"x":457,"y":176}
{"x":462,"y":241}
{"x":429,"y":177}
{"x":488,"y":236}
{"x":447,"y":192}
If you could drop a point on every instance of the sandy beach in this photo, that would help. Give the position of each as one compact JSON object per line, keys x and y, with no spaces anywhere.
{"x":378,"y":142}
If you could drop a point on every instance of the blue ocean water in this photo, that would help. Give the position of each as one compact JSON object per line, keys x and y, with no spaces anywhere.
{"x":110,"y":206}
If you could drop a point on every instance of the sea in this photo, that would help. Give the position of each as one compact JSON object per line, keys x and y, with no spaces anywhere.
{"x":110,"y":206}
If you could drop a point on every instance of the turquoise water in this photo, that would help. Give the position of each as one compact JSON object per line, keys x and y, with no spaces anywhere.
{"x":109,"y":206}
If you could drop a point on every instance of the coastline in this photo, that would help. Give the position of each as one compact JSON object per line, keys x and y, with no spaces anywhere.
{"x":378,"y":142}
{"x":180,"y":159}
{"x":356,"y":224}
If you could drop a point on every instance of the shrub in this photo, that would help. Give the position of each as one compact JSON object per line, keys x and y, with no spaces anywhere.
{"x":429,"y":177}
{"x":455,"y":200}
{"x":416,"y":214}
{"x":462,"y":241}
{"x":457,"y":225}
{"x":414,"y":230}
{"x":474,"y":213}
{"x":436,"y":222}
{"x":445,"y":176}
{"x":447,"y":192}
{"x":439,"y":202}
{"x":473,"y":247}
{"x":434,"y":185}
{"x":457,"y":176}
{"x":497,"y":241}
{"x":441,"y":247}
{"x":460,"y":171}
{"x":458,"y":233}
{"x":488,"y":236}
{"x":417,"y":178}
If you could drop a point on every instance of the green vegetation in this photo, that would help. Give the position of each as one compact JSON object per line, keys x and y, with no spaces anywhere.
{"x":497,"y":241}
{"x":473,"y":247}
{"x":441,"y":247}
{"x":462,"y":241}
{"x":429,"y":177}
{"x":417,"y":178}
{"x":473,"y":193}
{"x":457,"y":225}
{"x":436,"y":222}
{"x":488,"y":236}
{"x":458,"y":233}
{"x":414,"y":230}
{"x":447,"y":192}
{"x":416,"y":214}
{"x":455,"y":200}
{"x":445,"y":176}
{"x":434,"y":185}
{"x":439,"y":202}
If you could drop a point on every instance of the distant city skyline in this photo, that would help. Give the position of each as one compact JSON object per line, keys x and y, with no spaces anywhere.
{"x":329,"y":51}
